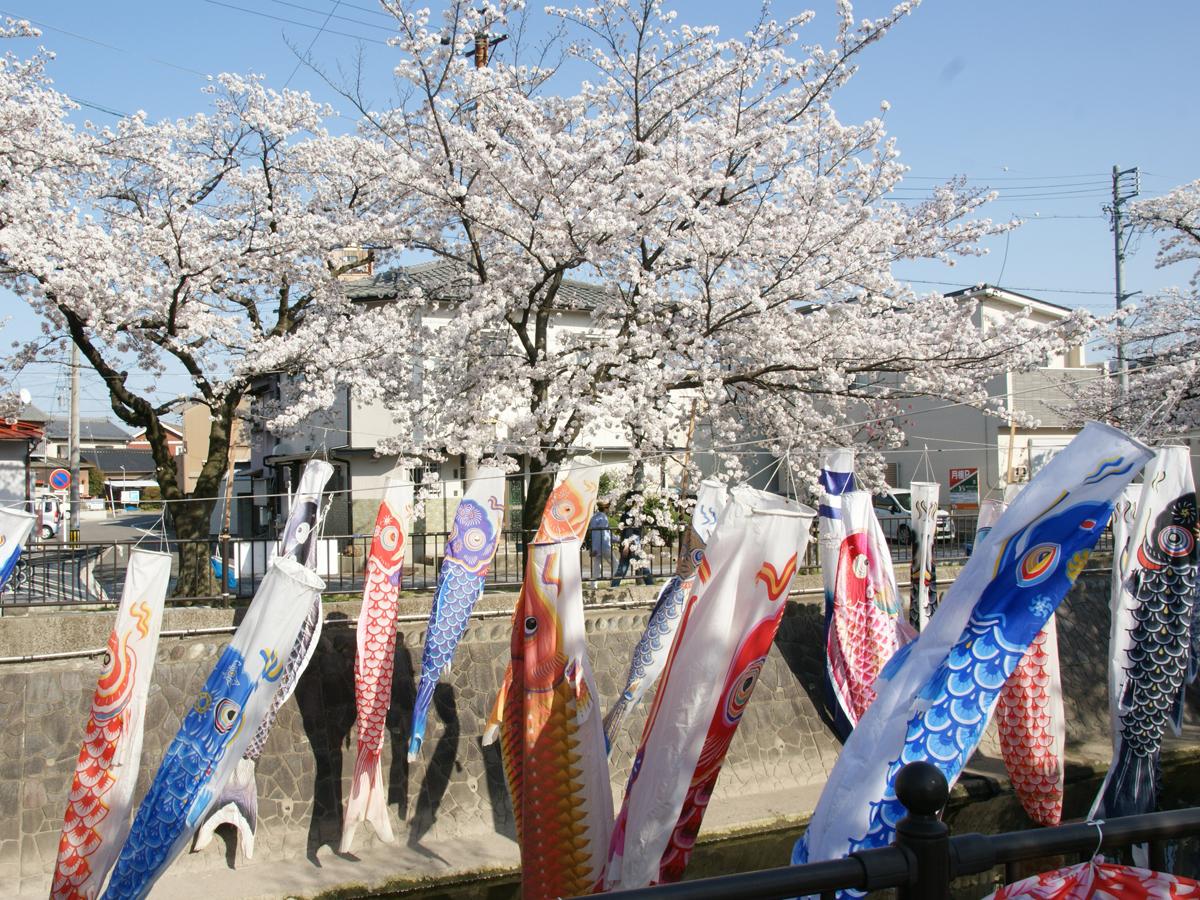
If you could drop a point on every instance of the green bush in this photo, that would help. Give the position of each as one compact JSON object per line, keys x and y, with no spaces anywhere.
{"x":95,"y":483}
{"x":151,"y":498}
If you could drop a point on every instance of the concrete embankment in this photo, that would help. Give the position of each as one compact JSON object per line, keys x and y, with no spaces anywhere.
{"x":449,"y":809}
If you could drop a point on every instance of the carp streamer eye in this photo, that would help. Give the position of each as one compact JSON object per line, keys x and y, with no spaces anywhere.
{"x":530,"y":626}
{"x":1175,"y":540}
{"x":389,"y":536}
{"x":226,"y":715}
{"x":302,"y":531}
{"x":743,"y":687}
{"x":1037,"y":564}
{"x":108,"y":660}
{"x":564,"y":510}
{"x":474,"y":540}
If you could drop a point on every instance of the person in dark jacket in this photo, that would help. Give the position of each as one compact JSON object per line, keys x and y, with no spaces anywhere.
{"x":631,"y":549}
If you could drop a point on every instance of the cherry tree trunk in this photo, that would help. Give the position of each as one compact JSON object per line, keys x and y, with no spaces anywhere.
{"x":195,"y":578}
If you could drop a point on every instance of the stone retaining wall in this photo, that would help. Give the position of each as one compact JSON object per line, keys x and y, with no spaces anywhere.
{"x":457,"y":787}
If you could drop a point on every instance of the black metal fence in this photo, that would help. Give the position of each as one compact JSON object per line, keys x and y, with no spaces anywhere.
{"x":93,"y":572}
{"x":90,"y":572}
{"x":925,"y":859}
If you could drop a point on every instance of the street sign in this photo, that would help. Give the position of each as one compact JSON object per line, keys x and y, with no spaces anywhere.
{"x":964,"y":487}
{"x":60,"y":479}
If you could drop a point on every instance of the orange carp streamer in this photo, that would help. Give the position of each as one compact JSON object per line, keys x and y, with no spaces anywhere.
{"x":552,"y":738}
{"x":101,"y":795}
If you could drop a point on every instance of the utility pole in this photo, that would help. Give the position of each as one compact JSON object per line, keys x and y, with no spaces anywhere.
{"x":484,"y":42}
{"x":1125,"y":185}
{"x":73,"y":446}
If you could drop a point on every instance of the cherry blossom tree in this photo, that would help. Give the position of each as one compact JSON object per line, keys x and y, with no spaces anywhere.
{"x":201,"y":246}
{"x":742,"y":233}
{"x":1161,"y":334}
{"x":38,"y":155}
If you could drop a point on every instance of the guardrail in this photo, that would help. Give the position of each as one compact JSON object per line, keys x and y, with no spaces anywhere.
{"x":91,"y":572}
{"x":925,"y":859}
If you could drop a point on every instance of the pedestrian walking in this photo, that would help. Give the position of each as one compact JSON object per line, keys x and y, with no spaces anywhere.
{"x":600,"y":540}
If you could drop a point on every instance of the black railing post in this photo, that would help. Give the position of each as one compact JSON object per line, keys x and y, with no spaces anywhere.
{"x":923,"y":790}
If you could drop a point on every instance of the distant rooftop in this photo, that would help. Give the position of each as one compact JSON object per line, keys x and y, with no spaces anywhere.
{"x":443,"y":279}
{"x":996,"y":289}
{"x":111,"y":462}
{"x":31,"y":412}
{"x":91,"y":428}
{"x":168,"y":424}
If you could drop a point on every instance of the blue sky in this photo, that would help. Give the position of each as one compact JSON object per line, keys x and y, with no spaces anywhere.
{"x":1036,"y":99}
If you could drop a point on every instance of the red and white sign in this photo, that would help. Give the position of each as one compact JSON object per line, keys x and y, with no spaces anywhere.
{"x":964,"y":487}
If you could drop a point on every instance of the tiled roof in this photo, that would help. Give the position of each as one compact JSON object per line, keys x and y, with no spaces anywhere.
{"x":30,"y":412}
{"x":446,"y":280}
{"x":91,"y":428}
{"x":110,"y":462}
{"x":20,"y":430}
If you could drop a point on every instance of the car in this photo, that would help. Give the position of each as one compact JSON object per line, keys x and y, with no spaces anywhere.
{"x":893,"y":508}
{"x":49,"y":511}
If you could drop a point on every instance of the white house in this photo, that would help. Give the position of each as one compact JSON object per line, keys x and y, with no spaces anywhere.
{"x":963,"y":441}
{"x":349,"y":431}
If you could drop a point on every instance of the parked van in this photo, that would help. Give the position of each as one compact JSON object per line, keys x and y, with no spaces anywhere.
{"x":893,"y":508}
{"x":49,"y":510}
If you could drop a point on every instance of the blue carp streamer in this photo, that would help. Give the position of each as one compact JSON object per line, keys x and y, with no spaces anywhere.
{"x":470,"y":548}
{"x":937,"y":694}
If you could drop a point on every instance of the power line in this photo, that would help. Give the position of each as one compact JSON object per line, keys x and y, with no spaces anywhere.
{"x":98,"y":106}
{"x":255,"y":12}
{"x":330,"y":15}
{"x":368,"y":9}
{"x":1010,"y":177}
{"x":1041,"y":290}
{"x":311,"y":44}
{"x":1038,"y":217}
{"x":105,"y":44}
{"x":1003,"y":195}
{"x":1023,"y":198}
{"x":1076,"y":186}
{"x":1168,"y":177}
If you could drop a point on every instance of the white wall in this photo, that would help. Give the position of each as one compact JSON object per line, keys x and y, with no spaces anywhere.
{"x":956,"y":437}
{"x":12,"y":471}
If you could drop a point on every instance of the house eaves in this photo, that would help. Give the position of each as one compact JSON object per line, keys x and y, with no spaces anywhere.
{"x":980,"y":291}
{"x":445,"y":281}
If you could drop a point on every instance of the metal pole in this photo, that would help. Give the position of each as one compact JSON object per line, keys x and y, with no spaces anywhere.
{"x":73,"y":448}
{"x":1118,"y":265}
{"x":226,"y":556}
{"x":1118,"y":229}
{"x":923,"y":790}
